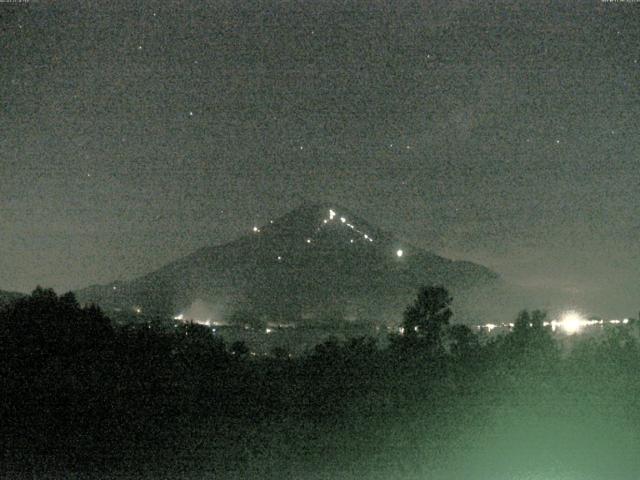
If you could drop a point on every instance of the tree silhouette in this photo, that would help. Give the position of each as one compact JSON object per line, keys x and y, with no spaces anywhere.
{"x":280,"y":353}
{"x":529,"y":326}
{"x":463,"y":342}
{"x":328,"y":350}
{"x":239,"y":349}
{"x":45,"y":324}
{"x":521,"y":325}
{"x":425,"y":320}
{"x":198,"y":344}
{"x":530,"y":338}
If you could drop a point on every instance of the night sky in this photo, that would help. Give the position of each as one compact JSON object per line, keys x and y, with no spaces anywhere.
{"x":504,"y":133}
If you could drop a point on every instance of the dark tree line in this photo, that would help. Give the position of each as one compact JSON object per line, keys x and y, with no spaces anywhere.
{"x":75,"y":386}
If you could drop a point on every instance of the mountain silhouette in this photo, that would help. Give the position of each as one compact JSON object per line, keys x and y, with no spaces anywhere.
{"x":319,"y":262}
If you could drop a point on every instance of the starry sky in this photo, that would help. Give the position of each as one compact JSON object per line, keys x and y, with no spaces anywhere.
{"x":500,"y":132}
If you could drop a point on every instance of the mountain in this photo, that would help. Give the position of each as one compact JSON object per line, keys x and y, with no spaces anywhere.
{"x":320,"y":262}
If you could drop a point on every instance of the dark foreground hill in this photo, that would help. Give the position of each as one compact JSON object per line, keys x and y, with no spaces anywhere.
{"x":317,"y":263}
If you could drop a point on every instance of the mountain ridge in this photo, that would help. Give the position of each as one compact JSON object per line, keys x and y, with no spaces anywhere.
{"x":318,"y":260}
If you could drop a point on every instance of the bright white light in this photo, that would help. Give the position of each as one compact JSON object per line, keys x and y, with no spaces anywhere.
{"x":331,"y":214}
{"x":308,"y":240}
{"x":138,"y":310}
{"x":490,"y":326}
{"x":571,"y":322}
{"x":343,"y":220}
{"x":268,"y":330}
{"x":399,"y":253}
{"x":179,"y":317}
{"x":279,"y":258}
{"x":366,"y":237}
{"x":256,"y":229}
{"x":351,"y":241}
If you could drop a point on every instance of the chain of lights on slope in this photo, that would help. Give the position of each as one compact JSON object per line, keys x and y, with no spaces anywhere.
{"x":332,"y":216}
{"x":342,"y":221}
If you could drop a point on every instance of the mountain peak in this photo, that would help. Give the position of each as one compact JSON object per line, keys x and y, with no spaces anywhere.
{"x":314,"y":221}
{"x":316,"y":260}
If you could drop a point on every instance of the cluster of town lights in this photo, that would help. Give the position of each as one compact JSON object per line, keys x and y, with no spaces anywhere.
{"x":570,"y":322}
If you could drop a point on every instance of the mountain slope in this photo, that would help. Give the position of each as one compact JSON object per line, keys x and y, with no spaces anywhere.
{"x":317,"y":262}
